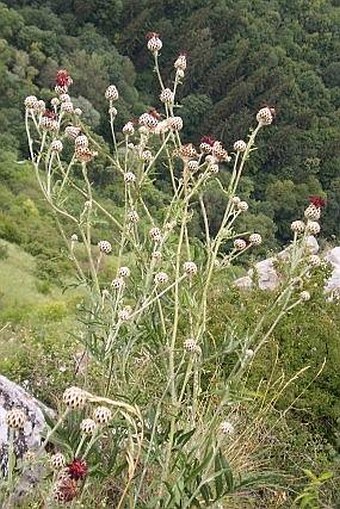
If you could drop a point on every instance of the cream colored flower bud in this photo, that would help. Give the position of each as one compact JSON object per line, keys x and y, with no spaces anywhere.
{"x":48,"y":124}
{"x":81,"y":141}
{"x":15,"y":418}
{"x":88,"y":426}
{"x":312,"y":212}
{"x":74,"y":397}
{"x":249,"y":353}
{"x":67,"y":107}
{"x":240,"y":244}
{"x":181,"y":63}
{"x":243,"y":206}
{"x":156,"y":234}
{"x":265,"y":116}
{"x":102,"y":415}
{"x":128,"y":129}
{"x":314,"y":260}
{"x":305,"y":296}
{"x":161,"y":278}
{"x":236,"y":200}
{"x":30,"y":102}
{"x":240,"y":146}
{"x":167,"y":96}
{"x":58,"y":460}
{"x":64,"y":98}
{"x":105,"y":246}
{"x":56,"y":146}
{"x":191,"y":345}
{"x":124,"y":314}
{"x":40,"y":106}
{"x":214,"y":168}
{"x":313,"y":227}
{"x":175,"y":123}
{"x":118,"y":283}
{"x":124,"y":272}
{"x":129,"y":177}
{"x":55,"y":102}
{"x":297,"y":226}
{"x":133,"y":216}
{"x":157,"y":256}
{"x":193,"y":165}
{"x":190,"y":268}
{"x":255,"y":239}
{"x":147,"y":155}
{"x":154,"y":44}
{"x":72,"y":131}
{"x":111,"y":93}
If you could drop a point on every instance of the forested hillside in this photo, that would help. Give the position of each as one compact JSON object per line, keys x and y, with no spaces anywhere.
{"x":241,"y":55}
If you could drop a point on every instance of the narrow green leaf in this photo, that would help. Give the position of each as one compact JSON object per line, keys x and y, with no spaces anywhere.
{"x":206,"y":493}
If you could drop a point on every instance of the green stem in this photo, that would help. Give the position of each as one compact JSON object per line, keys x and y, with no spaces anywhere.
{"x":53,"y":430}
{"x":80,"y":445}
{"x":11,"y":459}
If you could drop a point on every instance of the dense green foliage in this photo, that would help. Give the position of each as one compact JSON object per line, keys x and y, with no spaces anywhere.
{"x":240,"y":56}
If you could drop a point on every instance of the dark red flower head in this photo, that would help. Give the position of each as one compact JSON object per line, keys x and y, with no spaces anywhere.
{"x":49,"y":114}
{"x":150,"y":35}
{"x":63,"y":79}
{"x":154,"y":113}
{"x":317,"y":201}
{"x":77,"y":469}
{"x":208,"y":139}
{"x":67,"y":489}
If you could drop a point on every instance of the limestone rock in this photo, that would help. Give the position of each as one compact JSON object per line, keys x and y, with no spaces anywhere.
{"x":265,"y":273}
{"x":29,"y":438}
{"x":244,"y":283}
{"x":267,"y":277}
{"x":332,"y":286}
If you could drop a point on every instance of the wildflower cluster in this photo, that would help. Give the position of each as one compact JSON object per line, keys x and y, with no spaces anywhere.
{"x":69,"y":473}
{"x":151,"y":286}
{"x":312,"y":215}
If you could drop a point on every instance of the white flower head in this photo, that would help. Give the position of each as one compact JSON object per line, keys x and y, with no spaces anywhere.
{"x":305,"y":296}
{"x":124,"y":272}
{"x":190,"y":268}
{"x":227,"y":428}
{"x":161,"y":278}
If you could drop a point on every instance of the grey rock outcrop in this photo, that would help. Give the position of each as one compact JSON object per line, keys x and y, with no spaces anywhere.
{"x":27,"y":439}
{"x":332,"y":287}
{"x":264,"y":274}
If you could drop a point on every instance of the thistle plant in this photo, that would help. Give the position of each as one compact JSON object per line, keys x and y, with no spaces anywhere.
{"x":147,"y":325}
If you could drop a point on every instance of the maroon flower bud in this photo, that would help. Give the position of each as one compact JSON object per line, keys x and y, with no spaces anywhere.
{"x":65,"y":490}
{"x":154,"y":113}
{"x":150,"y":35}
{"x":317,"y":201}
{"x":77,"y":469}
{"x":49,"y":114}
{"x":209,"y":140}
{"x":63,"y":79}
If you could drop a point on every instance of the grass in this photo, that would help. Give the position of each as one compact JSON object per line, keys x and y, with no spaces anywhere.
{"x":19,"y":284}
{"x":36,"y":320}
